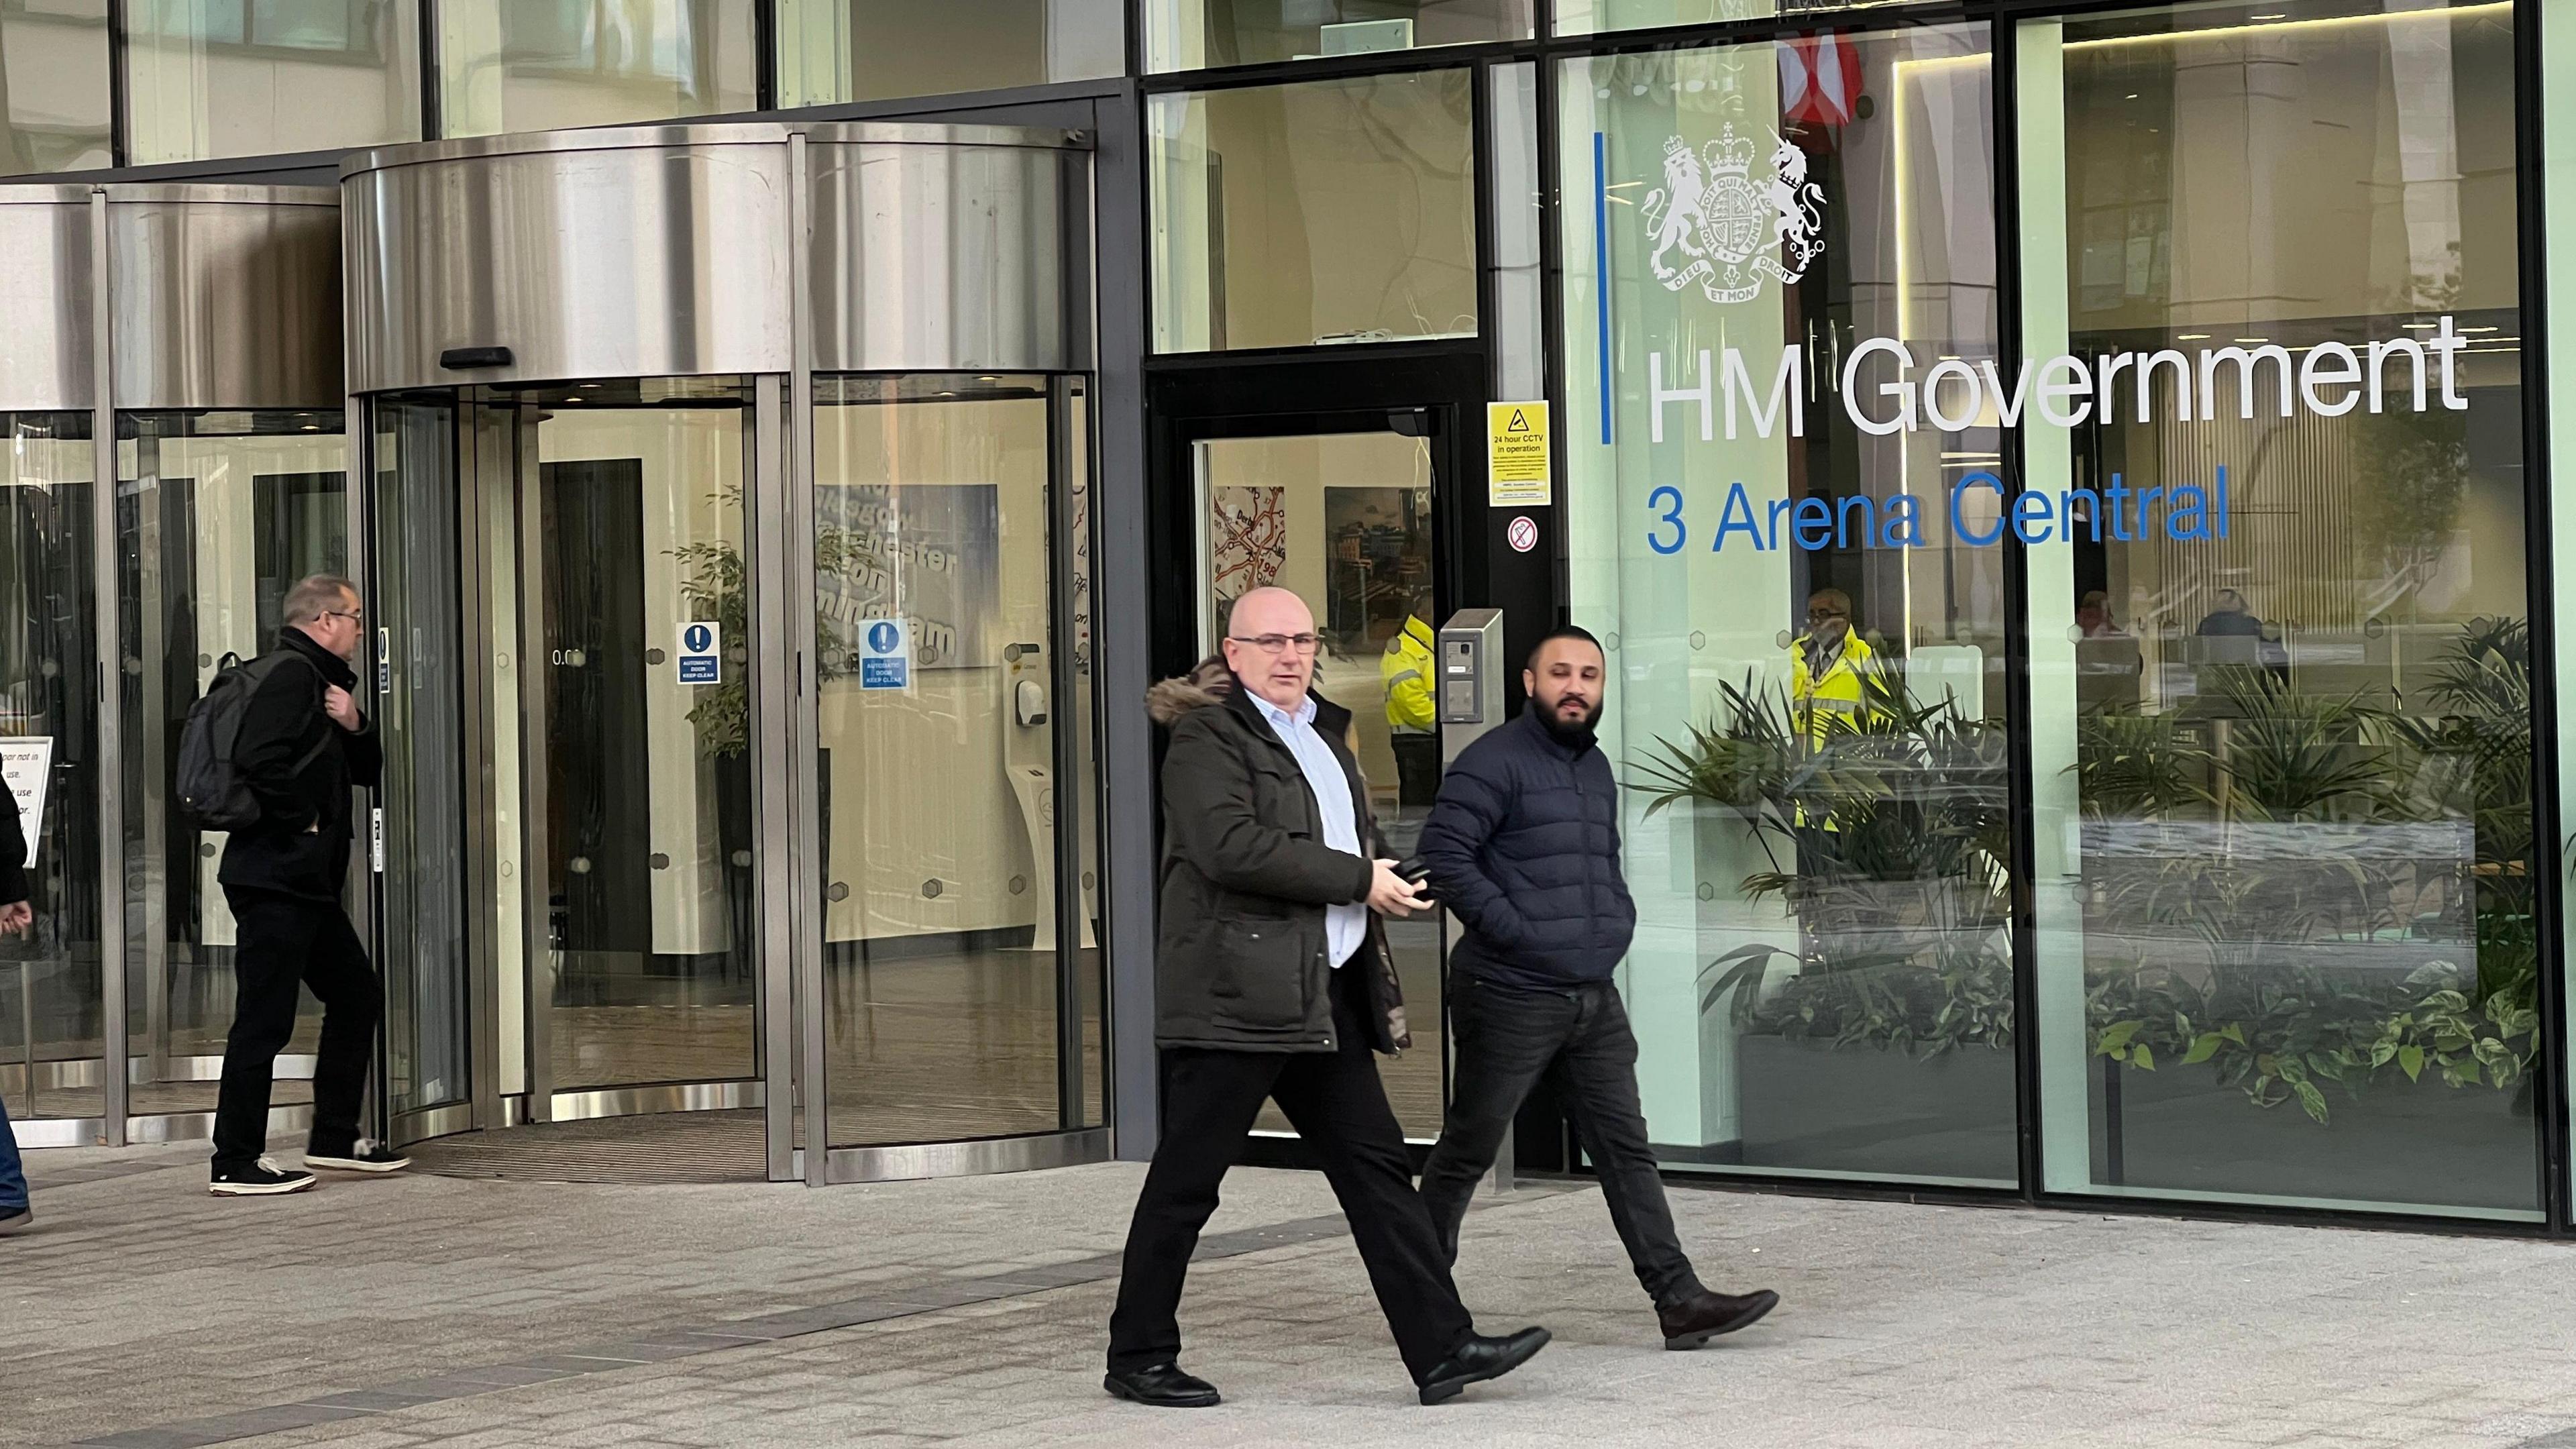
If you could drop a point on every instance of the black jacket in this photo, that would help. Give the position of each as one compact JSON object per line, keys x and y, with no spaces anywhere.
{"x":1241,"y":964}
{"x":13,"y":851}
{"x":301,"y":844}
{"x":1523,"y":847}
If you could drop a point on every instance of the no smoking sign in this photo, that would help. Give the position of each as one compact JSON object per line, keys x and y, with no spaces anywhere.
{"x":1523,"y":534}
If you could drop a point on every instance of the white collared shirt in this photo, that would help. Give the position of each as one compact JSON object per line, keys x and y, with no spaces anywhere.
{"x":1345,"y":927}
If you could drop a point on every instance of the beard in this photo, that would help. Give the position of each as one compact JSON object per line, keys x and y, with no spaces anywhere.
{"x":1572,"y":733}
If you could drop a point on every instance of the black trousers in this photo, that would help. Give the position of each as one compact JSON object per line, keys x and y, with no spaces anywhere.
{"x":1417,"y":769}
{"x":1338,"y":1105}
{"x":1578,"y":1039}
{"x":283,"y":941}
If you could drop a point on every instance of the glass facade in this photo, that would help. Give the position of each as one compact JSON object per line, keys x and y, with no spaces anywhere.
{"x":54,"y":89}
{"x":1200,"y":34}
{"x":2063,"y":540}
{"x":874,"y":50}
{"x":538,"y":65}
{"x":2242,"y":502}
{"x":1317,"y":213}
{"x":247,"y":79}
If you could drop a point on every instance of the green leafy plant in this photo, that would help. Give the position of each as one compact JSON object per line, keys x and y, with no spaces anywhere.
{"x":712,"y":586}
{"x":1886,"y":839}
{"x":2268,"y":1000}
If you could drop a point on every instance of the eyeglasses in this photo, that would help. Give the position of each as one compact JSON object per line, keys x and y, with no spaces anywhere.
{"x":1818,"y":616}
{"x":349,"y":614}
{"x":1280,"y":643}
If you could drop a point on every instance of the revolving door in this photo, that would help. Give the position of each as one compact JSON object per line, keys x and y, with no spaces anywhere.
{"x":727,"y":553}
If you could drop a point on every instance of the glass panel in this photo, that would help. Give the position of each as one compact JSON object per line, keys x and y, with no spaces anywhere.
{"x":936,"y":631}
{"x":1344,"y":520}
{"x":871,"y":50}
{"x":1808,"y":643}
{"x":647,"y":820}
{"x":218,"y":515}
{"x":1587,"y":17}
{"x":1330,"y":211}
{"x":53,"y":86}
{"x":420,"y":681}
{"x":206,"y":81}
{"x":2292,"y":863}
{"x":52,"y":1026}
{"x":1194,"y":34}
{"x":537,"y":65}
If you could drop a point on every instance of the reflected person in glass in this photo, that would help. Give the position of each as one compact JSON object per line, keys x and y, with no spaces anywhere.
{"x":1523,"y":847}
{"x":1273,"y":980}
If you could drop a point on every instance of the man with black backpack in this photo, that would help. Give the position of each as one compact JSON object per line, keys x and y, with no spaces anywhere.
{"x":298,"y":745}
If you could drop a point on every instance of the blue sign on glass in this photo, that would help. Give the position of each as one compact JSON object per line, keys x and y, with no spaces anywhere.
{"x":701,"y":653}
{"x":885,"y":654}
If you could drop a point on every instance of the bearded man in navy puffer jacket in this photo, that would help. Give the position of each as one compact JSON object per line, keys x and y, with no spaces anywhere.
{"x":1523,"y":846}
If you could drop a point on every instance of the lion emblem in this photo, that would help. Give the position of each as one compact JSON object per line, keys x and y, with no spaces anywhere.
{"x":1733,"y":228}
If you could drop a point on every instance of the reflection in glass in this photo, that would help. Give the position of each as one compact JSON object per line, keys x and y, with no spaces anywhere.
{"x":937,"y":629}
{"x":52,"y":1033}
{"x":870,"y":50}
{"x":1587,"y":17}
{"x":418,"y":708}
{"x":646,"y":827}
{"x":1324,"y":212}
{"x":1813,"y":729}
{"x":537,"y":65}
{"x":1196,"y":34}
{"x":1344,"y":520}
{"x":53,"y":87}
{"x":2299,"y":798}
{"x":248,"y":80}
{"x":218,"y":515}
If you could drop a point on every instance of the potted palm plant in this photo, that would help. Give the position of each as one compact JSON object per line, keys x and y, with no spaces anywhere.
{"x":1879,"y":1039}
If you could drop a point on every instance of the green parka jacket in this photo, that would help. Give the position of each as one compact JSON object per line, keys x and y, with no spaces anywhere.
{"x":1240,"y":963}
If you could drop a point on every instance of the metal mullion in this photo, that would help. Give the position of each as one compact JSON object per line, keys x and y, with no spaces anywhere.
{"x":107,"y":744}
{"x":433,"y":108}
{"x":526,"y":498}
{"x":476,"y":447}
{"x":774,"y":882}
{"x":2021,"y":797}
{"x":796,"y":579}
{"x":764,"y":33}
{"x":120,"y":93}
{"x":2548,"y":824}
{"x":366,"y":878}
{"x":1068,"y":814}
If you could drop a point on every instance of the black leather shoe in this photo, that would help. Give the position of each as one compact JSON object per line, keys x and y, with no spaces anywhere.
{"x":1697,"y":1319}
{"x":1478,"y":1359}
{"x":1162,"y":1386}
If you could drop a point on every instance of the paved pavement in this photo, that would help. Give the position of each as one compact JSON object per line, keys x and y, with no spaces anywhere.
{"x":419,"y":1311}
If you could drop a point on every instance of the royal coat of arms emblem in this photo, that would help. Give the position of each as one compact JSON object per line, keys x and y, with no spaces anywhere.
{"x":1731,"y":226}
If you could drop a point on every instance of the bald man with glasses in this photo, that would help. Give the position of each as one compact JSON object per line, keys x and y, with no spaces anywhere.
{"x":1273,"y":980}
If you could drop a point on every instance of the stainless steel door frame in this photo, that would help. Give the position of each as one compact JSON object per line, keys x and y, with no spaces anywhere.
{"x":770,"y":507}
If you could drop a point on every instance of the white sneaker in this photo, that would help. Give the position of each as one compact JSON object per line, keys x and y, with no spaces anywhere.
{"x":265,"y":1179}
{"x":364,"y":1155}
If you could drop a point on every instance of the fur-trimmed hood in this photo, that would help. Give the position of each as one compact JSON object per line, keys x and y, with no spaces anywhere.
{"x":1206,"y":684}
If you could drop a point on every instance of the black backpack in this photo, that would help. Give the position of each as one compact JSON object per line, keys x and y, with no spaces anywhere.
{"x":209,"y":789}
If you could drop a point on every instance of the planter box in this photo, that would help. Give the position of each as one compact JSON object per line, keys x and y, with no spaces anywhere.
{"x":2408,"y":1143}
{"x":1806,"y":1104}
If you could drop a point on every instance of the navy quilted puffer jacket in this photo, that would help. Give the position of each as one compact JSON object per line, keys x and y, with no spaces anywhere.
{"x":1524,"y":847}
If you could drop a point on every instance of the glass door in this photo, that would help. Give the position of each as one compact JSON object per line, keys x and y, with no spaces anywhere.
{"x":566,"y":689}
{"x":1345,"y":520}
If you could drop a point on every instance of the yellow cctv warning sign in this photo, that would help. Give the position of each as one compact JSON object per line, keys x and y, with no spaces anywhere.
{"x":1517,"y":455}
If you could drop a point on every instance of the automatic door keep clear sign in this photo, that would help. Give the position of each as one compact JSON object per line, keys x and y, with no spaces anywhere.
{"x":701,"y":651}
{"x":885,"y":654}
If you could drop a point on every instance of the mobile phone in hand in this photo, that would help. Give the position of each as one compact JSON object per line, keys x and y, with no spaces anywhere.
{"x":1414,"y":869}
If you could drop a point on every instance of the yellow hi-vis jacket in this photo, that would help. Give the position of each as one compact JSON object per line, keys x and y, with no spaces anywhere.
{"x":1406,"y":670}
{"x":1837,"y":692}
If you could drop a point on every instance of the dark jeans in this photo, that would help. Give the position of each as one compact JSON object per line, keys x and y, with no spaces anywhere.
{"x":1338,"y":1105}
{"x":283,"y":941}
{"x":1578,"y":1039}
{"x":13,"y":1175}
